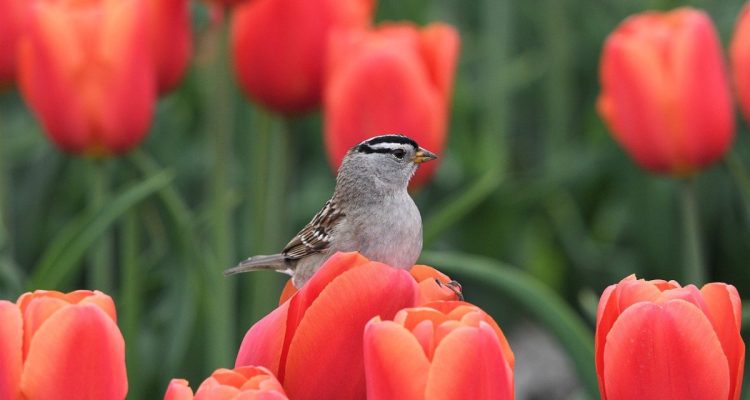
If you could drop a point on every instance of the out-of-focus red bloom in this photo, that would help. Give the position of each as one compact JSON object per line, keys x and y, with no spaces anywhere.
{"x":171,"y":40}
{"x":395,"y":79}
{"x":86,"y":70}
{"x":313,"y":341}
{"x":444,"y":350}
{"x":225,"y":3}
{"x":657,"y":340}
{"x":12,"y":22}
{"x":61,"y":346}
{"x":279,"y":47}
{"x":739,"y":54}
{"x":243,"y":383}
{"x":665,"y":93}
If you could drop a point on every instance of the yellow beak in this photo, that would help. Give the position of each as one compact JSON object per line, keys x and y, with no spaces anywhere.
{"x":423,"y":155}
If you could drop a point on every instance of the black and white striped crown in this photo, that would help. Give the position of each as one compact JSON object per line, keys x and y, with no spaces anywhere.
{"x":385,"y":144}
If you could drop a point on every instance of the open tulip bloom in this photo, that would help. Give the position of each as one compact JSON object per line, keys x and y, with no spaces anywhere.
{"x":243,"y":383}
{"x":658,"y":340}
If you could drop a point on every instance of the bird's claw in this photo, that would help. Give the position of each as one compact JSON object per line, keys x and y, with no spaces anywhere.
{"x":453,"y":286}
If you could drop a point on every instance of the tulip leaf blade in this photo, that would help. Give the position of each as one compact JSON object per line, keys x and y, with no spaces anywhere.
{"x":545,"y":305}
{"x":63,"y":256}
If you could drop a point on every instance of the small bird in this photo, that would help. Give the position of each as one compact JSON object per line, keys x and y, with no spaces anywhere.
{"x":370,"y":212}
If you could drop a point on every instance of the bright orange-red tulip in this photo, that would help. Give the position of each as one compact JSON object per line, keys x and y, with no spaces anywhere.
{"x":61,"y":346}
{"x":244,"y":383}
{"x":739,"y":55}
{"x":86,"y":70}
{"x":395,"y":79}
{"x":313,"y":341}
{"x":443,"y":350}
{"x":665,"y":93}
{"x":657,"y":340}
{"x":12,"y":23}
{"x":279,"y":47}
{"x":171,"y":40}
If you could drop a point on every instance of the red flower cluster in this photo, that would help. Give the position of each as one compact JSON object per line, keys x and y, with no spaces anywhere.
{"x":91,"y":71}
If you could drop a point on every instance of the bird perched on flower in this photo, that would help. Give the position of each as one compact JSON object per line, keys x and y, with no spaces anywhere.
{"x":370,"y":212}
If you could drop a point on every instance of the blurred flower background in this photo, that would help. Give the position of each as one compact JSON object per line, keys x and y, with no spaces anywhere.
{"x":146,"y":146}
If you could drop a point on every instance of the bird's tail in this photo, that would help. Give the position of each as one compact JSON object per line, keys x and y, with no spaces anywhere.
{"x":274,"y":262}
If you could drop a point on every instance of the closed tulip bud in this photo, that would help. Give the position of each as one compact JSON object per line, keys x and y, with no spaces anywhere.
{"x":313,"y":341}
{"x":665,"y":93}
{"x":12,"y":23}
{"x":658,"y":340}
{"x":739,"y":54}
{"x":279,"y":47}
{"x":61,"y":346}
{"x":86,"y":70}
{"x":171,"y":40}
{"x":395,"y":79}
{"x":443,"y":350}
{"x":246,"y":383}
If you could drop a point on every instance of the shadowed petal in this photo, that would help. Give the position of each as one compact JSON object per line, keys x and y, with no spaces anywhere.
{"x":11,"y":341}
{"x":723,"y":303}
{"x":262,"y":343}
{"x":178,"y":389}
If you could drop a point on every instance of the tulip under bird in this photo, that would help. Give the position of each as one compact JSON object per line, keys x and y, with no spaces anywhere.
{"x":370,"y":212}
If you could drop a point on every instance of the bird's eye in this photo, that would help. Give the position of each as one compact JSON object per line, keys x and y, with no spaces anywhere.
{"x":398,"y":153}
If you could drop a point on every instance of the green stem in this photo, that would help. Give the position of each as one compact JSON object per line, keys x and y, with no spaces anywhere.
{"x":130,"y":301}
{"x":264,"y":213}
{"x":220,"y":297}
{"x":695,"y":269}
{"x":741,"y":178}
{"x":100,"y":257}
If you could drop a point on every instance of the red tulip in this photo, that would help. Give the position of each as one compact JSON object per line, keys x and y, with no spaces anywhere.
{"x":279,"y":46}
{"x":12,"y":23}
{"x":444,"y":350}
{"x":665,"y":93}
{"x":61,"y":346}
{"x":739,"y":54}
{"x":171,"y":40}
{"x":244,"y":383}
{"x":313,"y":341}
{"x":657,"y":340}
{"x":85,"y":68}
{"x":395,"y":79}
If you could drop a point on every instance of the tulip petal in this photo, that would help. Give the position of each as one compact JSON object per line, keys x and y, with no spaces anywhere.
{"x":329,"y":336}
{"x":263,"y":342}
{"x":650,"y":353}
{"x":178,"y":389}
{"x":11,"y":342}
{"x":723,"y":303}
{"x":469,"y":364}
{"x":77,"y":353}
{"x":396,"y":367}
{"x":439,"y":45}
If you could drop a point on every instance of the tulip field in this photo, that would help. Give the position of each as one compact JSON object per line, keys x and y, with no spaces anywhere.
{"x":586,"y":226}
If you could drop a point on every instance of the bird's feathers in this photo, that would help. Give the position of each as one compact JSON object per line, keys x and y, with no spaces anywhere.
{"x":275,"y":262}
{"x":315,"y":236}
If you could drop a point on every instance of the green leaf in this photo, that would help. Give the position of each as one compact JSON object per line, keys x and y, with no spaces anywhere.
{"x":544,"y":304}
{"x":62,"y":259}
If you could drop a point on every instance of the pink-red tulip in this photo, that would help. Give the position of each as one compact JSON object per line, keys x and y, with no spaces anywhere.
{"x":665,"y":93}
{"x":739,"y":55}
{"x":244,"y":383}
{"x":279,"y":47}
{"x":313,"y":341}
{"x":12,"y":23}
{"x":395,"y":79}
{"x":170,"y":40}
{"x":443,"y":350}
{"x":86,"y":70}
{"x":657,"y":340}
{"x":61,"y":346}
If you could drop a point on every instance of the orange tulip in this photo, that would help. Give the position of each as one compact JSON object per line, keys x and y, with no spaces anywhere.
{"x":395,"y":79}
{"x":444,"y":350}
{"x":12,"y":23}
{"x":739,"y":54}
{"x":657,"y":340}
{"x":61,"y":346}
{"x":171,"y":40}
{"x":313,"y":341}
{"x":85,"y":69}
{"x":665,"y":93}
{"x":279,"y":46}
{"x":244,"y":383}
